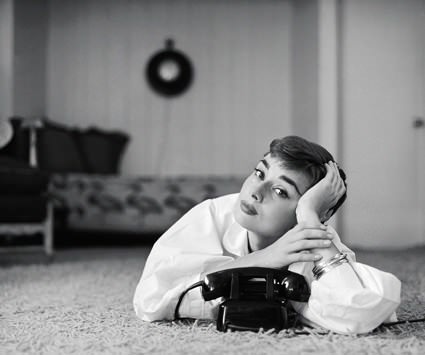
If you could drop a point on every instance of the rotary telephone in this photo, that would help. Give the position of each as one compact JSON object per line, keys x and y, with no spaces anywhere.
{"x":254,"y":297}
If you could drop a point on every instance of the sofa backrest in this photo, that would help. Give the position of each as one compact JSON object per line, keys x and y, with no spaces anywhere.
{"x":64,"y":149}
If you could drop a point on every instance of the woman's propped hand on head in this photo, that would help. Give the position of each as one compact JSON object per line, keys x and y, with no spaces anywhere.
{"x":315,"y":206}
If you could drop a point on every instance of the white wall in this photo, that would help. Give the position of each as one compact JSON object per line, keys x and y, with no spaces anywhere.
{"x":304,"y":68}
{"x":240,"y":100}
{"x":23,"y":39}
{"x":383,"y":67}
{"x":29,"y":57}
{"x":6,"y":58}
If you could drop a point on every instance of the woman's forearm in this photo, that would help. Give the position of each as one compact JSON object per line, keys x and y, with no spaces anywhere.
{"x":311,"y":218}
{"x":255,"y":259}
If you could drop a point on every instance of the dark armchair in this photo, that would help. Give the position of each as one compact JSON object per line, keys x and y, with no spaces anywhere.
{"x":24,"y":204}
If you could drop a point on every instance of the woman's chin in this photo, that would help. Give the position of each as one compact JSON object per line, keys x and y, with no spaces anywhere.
{"x":243,"y":219}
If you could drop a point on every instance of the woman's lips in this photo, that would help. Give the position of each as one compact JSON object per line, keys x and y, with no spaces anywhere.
{"x":248,"y":209}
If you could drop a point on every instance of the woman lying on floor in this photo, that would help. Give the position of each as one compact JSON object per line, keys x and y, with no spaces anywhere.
{"x":275,"y":221}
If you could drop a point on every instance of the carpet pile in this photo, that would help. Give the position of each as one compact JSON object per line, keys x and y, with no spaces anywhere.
{"x":81,"y":303}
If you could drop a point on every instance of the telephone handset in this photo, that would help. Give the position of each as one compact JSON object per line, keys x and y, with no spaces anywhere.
{"x":254,"y":297}
{"x":255,"y":283}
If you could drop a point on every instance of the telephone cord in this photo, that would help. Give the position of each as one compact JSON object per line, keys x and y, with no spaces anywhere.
{"x":176,"y":310}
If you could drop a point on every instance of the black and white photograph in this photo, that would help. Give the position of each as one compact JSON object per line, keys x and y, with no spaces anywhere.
{"x":212,"y":177}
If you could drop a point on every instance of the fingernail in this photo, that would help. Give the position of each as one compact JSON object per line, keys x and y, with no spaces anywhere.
{"x":317,"y":257}
{"x":322,"y":226}
{"x":330,"y":235}
{"x":327,"y":242}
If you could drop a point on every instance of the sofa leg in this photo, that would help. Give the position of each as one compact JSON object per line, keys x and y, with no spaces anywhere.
{"x":48,"y":231}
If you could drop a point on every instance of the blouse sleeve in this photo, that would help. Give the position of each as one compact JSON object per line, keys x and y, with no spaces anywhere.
{"x":190,"y":247}
{"x":351,"y":298}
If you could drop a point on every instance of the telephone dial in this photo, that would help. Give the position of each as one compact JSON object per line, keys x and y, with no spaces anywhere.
{"x":254,"y":297}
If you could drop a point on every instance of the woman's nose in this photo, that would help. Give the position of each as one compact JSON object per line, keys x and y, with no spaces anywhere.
{"x":257,"y":194}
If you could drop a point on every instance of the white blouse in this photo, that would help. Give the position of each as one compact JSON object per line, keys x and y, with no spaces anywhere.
{"x":208,"y":236}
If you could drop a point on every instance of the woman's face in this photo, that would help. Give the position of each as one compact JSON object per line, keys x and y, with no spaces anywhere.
{"x":268,"y":199}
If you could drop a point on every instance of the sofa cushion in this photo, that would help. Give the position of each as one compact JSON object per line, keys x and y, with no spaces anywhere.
{"x":20,"y":208}
{"x":102,"y":150}
{"x":16,"y":177}
{"x":58,"y":150}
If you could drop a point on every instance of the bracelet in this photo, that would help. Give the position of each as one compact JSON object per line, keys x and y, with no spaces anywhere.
{"x":323,"y":268}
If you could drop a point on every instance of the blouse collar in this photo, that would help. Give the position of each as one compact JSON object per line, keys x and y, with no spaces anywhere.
{"x":235,"y":240}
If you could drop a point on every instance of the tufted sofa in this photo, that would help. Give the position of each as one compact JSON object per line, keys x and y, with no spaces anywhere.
{"x":88,"y":192}
{"x":139,"y":204}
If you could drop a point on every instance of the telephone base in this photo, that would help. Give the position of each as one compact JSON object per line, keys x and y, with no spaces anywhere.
{"x":234,"y":314}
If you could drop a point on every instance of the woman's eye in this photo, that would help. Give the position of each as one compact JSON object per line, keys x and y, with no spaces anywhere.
{"x":259,"y":173}
{"x":281,"y":192}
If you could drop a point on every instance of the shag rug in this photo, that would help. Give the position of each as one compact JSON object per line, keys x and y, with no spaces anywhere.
{"x":81,"y":303}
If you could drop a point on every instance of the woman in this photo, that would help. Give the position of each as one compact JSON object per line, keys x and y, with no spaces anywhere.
{"x":275,"y":221}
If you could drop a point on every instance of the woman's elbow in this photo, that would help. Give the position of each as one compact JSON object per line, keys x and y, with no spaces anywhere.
{"x":141,"y":311}
{"x":354,"y":310}
{"x":147,"y":305}
{"x":354,"y":319}
{"x":140,"y":308}
{"x":149,"y":311}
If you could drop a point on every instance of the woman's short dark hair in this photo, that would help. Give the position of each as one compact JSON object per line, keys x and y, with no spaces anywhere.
{"x":299,"y":154}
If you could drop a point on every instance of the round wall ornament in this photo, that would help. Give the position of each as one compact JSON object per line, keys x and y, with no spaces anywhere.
{"x":169,"y":72}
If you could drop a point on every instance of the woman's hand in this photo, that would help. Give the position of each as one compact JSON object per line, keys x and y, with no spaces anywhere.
{"x":316,"y":204}
{"x":297,"y":245}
